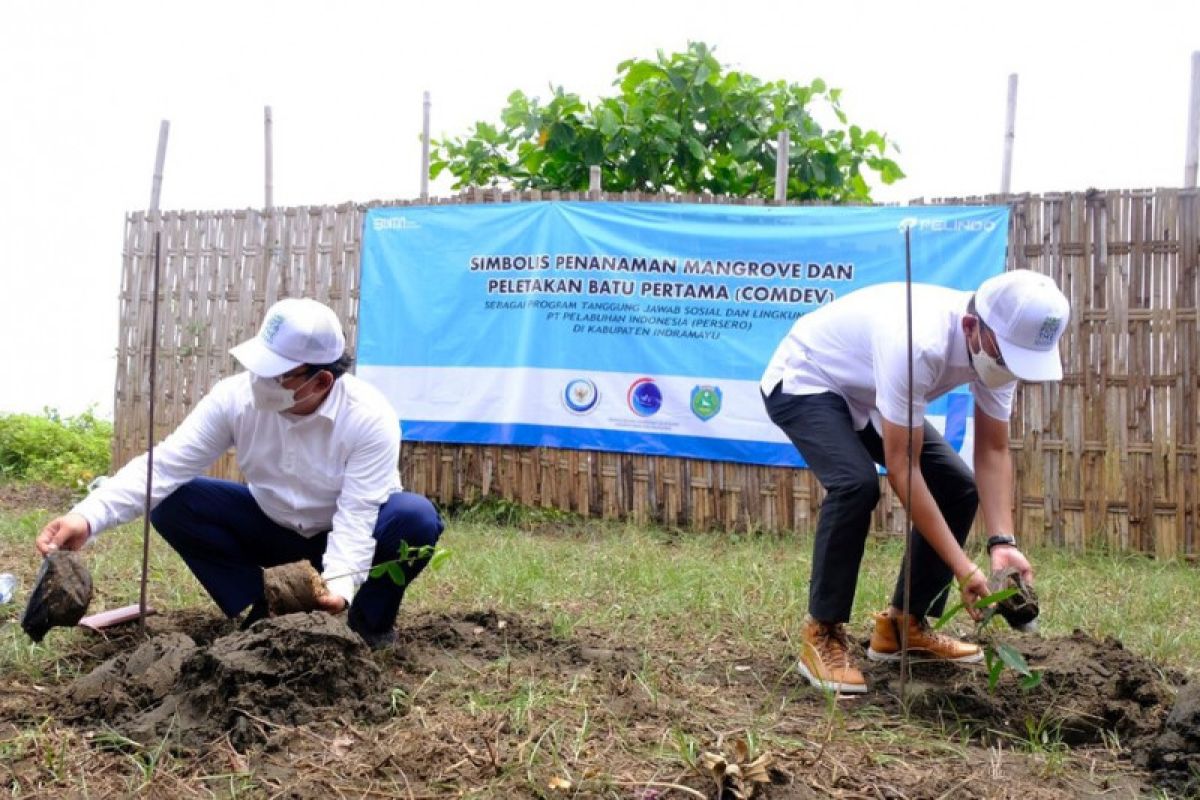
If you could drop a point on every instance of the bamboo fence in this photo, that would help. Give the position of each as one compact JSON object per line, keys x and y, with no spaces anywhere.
{"x":1106,"y":458}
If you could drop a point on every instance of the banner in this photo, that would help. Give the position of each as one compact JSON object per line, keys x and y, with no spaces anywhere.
{"x":630,"y":327}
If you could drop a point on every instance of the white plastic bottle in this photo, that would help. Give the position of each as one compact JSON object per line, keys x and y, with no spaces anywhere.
{"x":8,"y":587}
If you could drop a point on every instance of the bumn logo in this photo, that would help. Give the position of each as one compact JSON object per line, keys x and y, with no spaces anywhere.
{"x":394,"y":224}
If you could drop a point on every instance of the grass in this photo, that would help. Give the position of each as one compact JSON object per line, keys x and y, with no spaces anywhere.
{"x":747,"y":592}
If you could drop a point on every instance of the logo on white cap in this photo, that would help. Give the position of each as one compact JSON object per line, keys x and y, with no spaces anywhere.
{"x":296,"y":331}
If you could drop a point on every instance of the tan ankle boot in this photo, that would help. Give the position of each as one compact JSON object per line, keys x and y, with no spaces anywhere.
{"x":825,"y":659}
{"x":923,"y":642}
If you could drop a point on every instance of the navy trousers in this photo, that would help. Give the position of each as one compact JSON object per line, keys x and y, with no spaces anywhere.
{"x":844,"y":460}
{"x":226,"y":540}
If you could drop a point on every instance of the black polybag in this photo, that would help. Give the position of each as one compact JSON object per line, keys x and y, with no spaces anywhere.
{"x":60,"y":595}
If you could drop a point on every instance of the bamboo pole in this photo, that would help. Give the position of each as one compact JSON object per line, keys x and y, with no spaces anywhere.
{"x":1009,"y":135}
{"x":268,"y":158}
{"x":594,"y":182}
{"x":156,"y":185}
{"x":425,"y":104}
{"x":782,"y":154}
{"x":155,"y":194}
{"x":1193,"y":129}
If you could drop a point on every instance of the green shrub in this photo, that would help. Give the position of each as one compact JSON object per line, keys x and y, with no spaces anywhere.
{"x":68,"y":451}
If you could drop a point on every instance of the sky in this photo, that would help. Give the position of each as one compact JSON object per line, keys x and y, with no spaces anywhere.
{"x":1102,"y":102}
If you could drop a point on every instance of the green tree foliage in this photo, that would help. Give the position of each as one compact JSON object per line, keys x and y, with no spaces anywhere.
{"x":679,"y":123}
{"x":69,"y":451}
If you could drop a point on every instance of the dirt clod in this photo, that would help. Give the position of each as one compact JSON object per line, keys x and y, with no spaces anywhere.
{"x":60,"y":596}
{"x":292,"y":588}
{"x":1175,"y":753}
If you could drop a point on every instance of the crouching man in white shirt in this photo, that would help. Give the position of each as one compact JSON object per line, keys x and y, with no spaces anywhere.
{"x":320,"y":453}
{"x":838,"y":386}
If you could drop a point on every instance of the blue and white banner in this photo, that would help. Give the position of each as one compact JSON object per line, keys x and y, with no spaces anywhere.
{"x":632,"y":327}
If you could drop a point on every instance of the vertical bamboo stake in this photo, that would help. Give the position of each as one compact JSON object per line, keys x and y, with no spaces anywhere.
{"x":156,"y":184}
{"x":1193,"y":131}
{"x":908,"y":531}
{"x":594,"y":182}
{"x":156,"y":219}
{"x":268,"y":161}
{"x":781,"y":166}
{"x":1009,"y":135}
{"x":425,"y":147}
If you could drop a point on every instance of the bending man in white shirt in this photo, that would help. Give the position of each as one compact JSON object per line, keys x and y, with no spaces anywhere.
{"x":320,"y":451}
{"x":838,"y":386}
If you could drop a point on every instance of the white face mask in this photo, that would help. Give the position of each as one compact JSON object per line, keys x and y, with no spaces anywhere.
{"x":269,"y":395}
{"x":991,"y":372}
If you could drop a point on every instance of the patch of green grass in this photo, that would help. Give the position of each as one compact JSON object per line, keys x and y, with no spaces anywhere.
{"x":744,"y":593}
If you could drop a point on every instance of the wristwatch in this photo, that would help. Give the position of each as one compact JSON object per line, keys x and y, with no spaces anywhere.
{"x":996,"y":541}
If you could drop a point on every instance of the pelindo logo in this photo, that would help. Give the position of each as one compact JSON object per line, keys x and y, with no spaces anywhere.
{"x":946,"y":225}
{"x":645,"y":398}
{"x":580,"y":396}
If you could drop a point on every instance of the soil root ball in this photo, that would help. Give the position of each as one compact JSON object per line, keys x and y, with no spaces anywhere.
{"x":60,"y":594}
{"x":292,"y":588}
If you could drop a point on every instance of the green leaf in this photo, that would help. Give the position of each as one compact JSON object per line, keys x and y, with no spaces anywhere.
{"x":948,"y":615}
{"x":439,"y":558}
{"x":396,"y":573}
{"x":994,"y":669}
{"x":379,"y":570}
{"x":995,"y":597}
{"x":1012,"y":658}
{"x":1032,"y":680}
{"x":695,"y":148}
{"x":640,"y":72}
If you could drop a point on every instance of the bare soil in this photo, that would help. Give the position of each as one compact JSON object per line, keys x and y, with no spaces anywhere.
{"x":475,"y":702}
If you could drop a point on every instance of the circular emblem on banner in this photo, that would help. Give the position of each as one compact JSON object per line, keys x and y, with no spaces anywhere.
{"x":645,"y":398}
{"x":580,"y":396}
{"x":706,"y":401}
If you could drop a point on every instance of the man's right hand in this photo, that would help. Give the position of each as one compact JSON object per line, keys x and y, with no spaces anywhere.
{"x":68,"y":532}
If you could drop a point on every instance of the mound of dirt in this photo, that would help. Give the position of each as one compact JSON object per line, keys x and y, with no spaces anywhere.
{"x":1174,"y":755}
{"x":287,"y":670}
{"x":1089,"y":688}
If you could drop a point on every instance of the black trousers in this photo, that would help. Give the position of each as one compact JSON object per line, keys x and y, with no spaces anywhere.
{"x":844,"y":460}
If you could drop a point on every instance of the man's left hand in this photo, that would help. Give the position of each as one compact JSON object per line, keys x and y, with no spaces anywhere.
{"x":1004,"y":556}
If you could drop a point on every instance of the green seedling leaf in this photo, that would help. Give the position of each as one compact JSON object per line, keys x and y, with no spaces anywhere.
{"x":439,"y":558}
{"x":948,"y":615}
{"x":994,"y":669}
{"x":396,"y":573}
{"x":379,"y":570}
{"x":1031,"y":681}
{"x":996,"y":597}
{"x":1012,"y":659}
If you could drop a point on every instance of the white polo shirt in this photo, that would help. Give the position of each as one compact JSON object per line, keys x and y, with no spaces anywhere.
{"x":327,"y":471}
{"x":857,"y":347}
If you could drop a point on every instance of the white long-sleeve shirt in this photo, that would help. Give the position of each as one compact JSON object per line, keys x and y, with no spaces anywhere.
{"x":857,"y":347}
{"x":327,"y":471}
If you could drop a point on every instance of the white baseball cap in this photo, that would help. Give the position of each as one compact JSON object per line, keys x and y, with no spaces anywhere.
{"x":295,"y":331}
{"x":1028,"y":314}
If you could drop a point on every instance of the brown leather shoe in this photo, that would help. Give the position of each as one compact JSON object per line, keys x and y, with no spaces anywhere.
{"x":923,"y":642}
{"x":825,"y":659}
